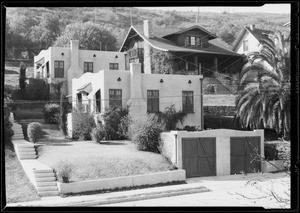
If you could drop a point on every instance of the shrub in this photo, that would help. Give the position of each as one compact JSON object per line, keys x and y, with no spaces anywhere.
{"x":146,"y":134}
{"x":83,"y":125}
{"x":98,"y":134}
{"x":111,"y":119}
{"x":34,"y":131}
{"x":123,"y":128}
{"x":63,"y":114}
{"x":18,"y":95}
{"x":37,"y":89}
{"x":190,"y":128}
{"x":171,"y":117}
{"x":218,"y":122}
{"x":271,"y":153}
{"x":8,"y":132}
{"x":51,"y":113}
{"x":64,"y":170}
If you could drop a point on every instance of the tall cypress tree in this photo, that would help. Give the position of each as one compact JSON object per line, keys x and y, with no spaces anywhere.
{"x":22,"y":77}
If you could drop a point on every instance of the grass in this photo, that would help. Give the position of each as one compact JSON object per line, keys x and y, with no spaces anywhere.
{"x":11,"y":76}
{"x":18,"y":186}
{"x":95,"y":161}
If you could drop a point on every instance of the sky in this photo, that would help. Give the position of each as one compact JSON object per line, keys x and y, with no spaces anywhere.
{"x":267,"y":8}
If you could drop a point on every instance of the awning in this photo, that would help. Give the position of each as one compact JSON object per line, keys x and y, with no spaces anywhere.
{"x":40,"y":62}
{"x":87,"y":88}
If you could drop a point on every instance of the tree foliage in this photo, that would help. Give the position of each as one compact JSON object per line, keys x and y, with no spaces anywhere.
{"x":264,"y":93}
{"x":90,"y":35}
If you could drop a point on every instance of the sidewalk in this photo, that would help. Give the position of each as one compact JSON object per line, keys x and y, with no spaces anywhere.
{"x":217,"y":185}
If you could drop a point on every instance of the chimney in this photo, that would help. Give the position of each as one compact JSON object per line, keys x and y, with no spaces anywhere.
{"x":148,"y":31}
{"x":74,"y":53}
{"x":252,"y":27}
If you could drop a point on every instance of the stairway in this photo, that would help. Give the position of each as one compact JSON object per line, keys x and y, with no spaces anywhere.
{"x":43,"y":178}
{"x":45,"y":182}
{"x":212,"y":84}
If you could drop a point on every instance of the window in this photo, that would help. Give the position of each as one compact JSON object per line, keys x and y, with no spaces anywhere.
{"x":113,"y":66}
{"x":88,"y":67}
{"x":245,"y":45}
{"x":152,"y":101}
{"x":115,"y":97}
{"x":187,"y":41}
{"x":58,"y":69}
{"x":199,"y":42}
{"x":188,"y":101}
{"x":79,"y":99}
{"x":193,"y":41}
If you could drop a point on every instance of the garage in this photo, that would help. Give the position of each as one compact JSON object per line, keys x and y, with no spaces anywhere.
{"x":243,"y":152}
{"x":199,"y":156}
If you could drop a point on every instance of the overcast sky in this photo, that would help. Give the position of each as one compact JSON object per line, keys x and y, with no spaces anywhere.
{"x":267,"y":8}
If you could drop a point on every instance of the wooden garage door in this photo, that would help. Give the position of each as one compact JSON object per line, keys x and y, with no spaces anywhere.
{"x":199,"y":156}
{"x":243,"y":155}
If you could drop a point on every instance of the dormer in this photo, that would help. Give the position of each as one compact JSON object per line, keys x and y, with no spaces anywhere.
{"x":192,"y":37}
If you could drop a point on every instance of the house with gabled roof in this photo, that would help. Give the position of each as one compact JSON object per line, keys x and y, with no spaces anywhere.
{"x":191,"y":51}
{"x":249,"y":39}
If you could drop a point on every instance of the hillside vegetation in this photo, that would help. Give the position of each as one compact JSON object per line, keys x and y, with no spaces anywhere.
{"x":34,"y":29}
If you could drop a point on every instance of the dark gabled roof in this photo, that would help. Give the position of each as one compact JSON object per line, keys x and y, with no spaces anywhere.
{"x":259,"y":34}
{"x":216,"y":46}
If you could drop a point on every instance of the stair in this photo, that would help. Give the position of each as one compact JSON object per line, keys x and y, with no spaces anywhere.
{"x":209,"y":82}
{"x":46,"y":182}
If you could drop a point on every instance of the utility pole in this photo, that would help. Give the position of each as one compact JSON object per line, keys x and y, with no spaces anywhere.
{"x":197,"y":21}
{"x":130,"y":17}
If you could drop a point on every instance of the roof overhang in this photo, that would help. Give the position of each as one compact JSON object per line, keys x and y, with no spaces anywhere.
{"x":40,"y":62}
{"x":86,"y":88}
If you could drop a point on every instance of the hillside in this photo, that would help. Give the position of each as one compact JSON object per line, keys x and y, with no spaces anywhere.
{"x":117,"y":20}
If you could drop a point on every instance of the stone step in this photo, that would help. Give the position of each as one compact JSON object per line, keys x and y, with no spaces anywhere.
{"x":47,"y":188}
{"x":45,"y":179}
{"x":41,"y":175}
{"x":42,"y":170}
{"x":49,"y":183}
{"x":48,"y":193}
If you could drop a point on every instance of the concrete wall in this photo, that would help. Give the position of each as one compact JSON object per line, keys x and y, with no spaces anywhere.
{"x":219,"y":100}
{"x":253,"y":44}
{"x":121,"y":182}
{"x":222,"y":145}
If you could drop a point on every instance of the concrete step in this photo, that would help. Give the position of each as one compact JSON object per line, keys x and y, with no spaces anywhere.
{"x":47,"y":188}
{"x":25,"y":154}
{"x":32,"y":152}
{"x":27,"y":157}
{"x":17,"y":137}
{"x":43,"y":184}
{"x":45,"y":179}
{"x":25,"y":148}
{"x":41,"y":175}
{"x":25,"y":145}
{"x":42,"y":170}
{"x":48,"y":193}
{"x":18,"y":132}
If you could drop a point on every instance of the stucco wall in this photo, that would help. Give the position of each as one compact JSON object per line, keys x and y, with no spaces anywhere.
{"x":168,"y":148}
{"x":253,"y":44}
{"x":222,"y":145}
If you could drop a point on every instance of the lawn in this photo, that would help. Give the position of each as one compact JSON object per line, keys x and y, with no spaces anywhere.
{"x":95,"y":161}
{"x":18,"y":186}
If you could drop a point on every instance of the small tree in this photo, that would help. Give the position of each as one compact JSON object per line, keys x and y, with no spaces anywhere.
{"x":171,"y":117}
{"x":22,"y":76}
{"x":63,"y":114}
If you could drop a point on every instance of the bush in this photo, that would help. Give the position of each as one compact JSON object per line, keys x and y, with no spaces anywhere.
{"x":146,"y":134}
{"x":34,"y":131}
{"x":84,"y":124}
{"x":123,"y":128}
{"x":271,"y":153}
{"x":38,"y":89}
{"x":219,"y":122}
{"x":8,"y":132}
{"x":64,"y":171}
{"x":190,"y":128}
{"x":98,"y":134}
{"x":63,"y":114}
{"x":171,"y":117}
{"x":51,"y":113}
{"x":111,"y":119}
{"x":18,"y":95}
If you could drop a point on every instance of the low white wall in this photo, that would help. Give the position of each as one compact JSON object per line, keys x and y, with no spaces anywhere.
{"x":222,"y":145}
{"x":121,"y":182}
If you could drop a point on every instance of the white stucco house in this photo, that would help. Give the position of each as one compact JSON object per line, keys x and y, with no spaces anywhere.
{"x":249,"y":39}
{"x":142,"y":93}
{"x":65,"y":63}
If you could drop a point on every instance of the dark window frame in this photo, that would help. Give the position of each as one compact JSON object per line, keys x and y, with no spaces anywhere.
{"x":59,"y":69}
{"x":152,"y":101}
{"x":115,"y":99}
{"x":88,"y":67}
{"x":113,"y":66}
{"x":188,"y":101}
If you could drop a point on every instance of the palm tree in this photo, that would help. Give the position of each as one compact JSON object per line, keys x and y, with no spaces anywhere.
{"x":263,"y":100}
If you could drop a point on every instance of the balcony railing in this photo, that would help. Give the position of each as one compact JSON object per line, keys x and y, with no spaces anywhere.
{"x":135,"y":53}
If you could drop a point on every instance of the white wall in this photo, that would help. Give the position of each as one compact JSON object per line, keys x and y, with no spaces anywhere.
{"x":222,"y":145}
{"x":253,"y":44}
